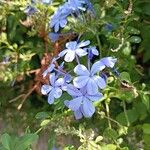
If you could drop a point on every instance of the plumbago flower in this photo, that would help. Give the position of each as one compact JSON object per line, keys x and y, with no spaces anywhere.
{"x":74,"y":49}
{"x":86,"y":86}
{"x":82,"y":102}
{"x":59,"y":18}
{"x":89,"y":78}
{"x":54,"y":89}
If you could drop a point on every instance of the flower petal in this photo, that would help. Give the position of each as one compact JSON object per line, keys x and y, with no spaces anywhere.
{"x":88,"y":108}
{"x":69,"y":57}
{"x":75,"y":103}
{"x":81,"y":52}
{"x":61,"y":54}
{"x":109,"y":61}
{"x":95,"y":97}
{"x":83,"y":43}
{"x":59,"y":82}
{"x":73,"y":91}
{"x":51,"y":97}
{"x":78,"y":114}
{"x":71,"y":45}
{"x":45,"y":89}
{"x":97,"y":66}
{"x":80,"y":81}
{"x":92,"y":87}
{"x":81,"y":70}
{"x":100,"y":82}
{"x":63,"y":23}
{"x":57,"y":92}
{"x":52,"y":78}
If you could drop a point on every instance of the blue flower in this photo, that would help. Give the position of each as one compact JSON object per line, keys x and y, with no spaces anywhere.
{"x":51,"y":67}
{"x":76,"y":5}
{"x":59,"y":19}
{"x":82,"y":102}
{"x":89,"y":78}
{"x":73,"y":49}
{"x":54,"y":89}
{"x":54,"y":36}
{"x":92,"y":51}
{"x":30,"y":10}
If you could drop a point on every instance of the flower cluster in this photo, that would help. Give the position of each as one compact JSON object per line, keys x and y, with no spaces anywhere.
{"x":84,"y":85}
{"x":71,"y":7}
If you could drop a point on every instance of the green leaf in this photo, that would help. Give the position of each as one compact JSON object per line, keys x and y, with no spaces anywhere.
{"x":145,"y":100}
{"x":135,"y":39}
{"x":132,"y":116}
{"x":146,"y":128}
{"x":124,"y":76}
{"x":42,"y":115}
{"x":132,"y":30}
{"x":109,"y":147}
{"x":45,"y":122}
{"x":6,"y":139}
{"x":110,"y":133}
{"x":25,"y":141}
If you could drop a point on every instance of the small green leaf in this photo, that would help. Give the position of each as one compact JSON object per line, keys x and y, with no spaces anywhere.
{"x":45,"y":122}
{"x":109,"y":147}
{"x":132,"y":30}
{"x":124,"y":76}
{"x":6,"y":139}
{"x":146,"y":128}
{"x":111,"y":134}
{"x":42,"y":115}
{"x":25,"y":141}
{"x":135,"y":39}
{"x":145,"y":100}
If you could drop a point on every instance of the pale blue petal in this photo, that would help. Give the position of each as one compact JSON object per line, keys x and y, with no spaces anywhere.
{"x":81,"y":70}
{"x":83,"y":43}
{"x":108,"y":61}
{"x":78,"y":114}
{"x":63,"y":23}
{"x":52,"y":78}
{"x":51,"y":97}
{"x":69,"y":57}
{"x":73,"y":91}
{"x":80,"y":52}
{"x":95,"y":97}
{"x":56,"y":27}
{"x":75,"y":103}
{"x":92,"y":87}
{"x":57,"y":92}
{"x":45,"y":89}
{"x":94,"y":51}
{"x":71,"y":45}
{"x":59,"y":82}
{"x":61,"y":54}
{"x":100,"y":81}
{"x":53,"y":36}
{"x":80,"y":81}
{"x":88,"y":108}
{"x":97,"y":66}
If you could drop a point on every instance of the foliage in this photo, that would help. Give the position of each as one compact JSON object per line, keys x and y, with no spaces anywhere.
{"x":30,"y":40}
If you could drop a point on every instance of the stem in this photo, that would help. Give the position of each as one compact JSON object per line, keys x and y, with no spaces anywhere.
{"x":99,"y":45}
{"x":89,"y":64}
{"x":113,"y":121}
{"x":77,"y":59}
{"x":108,"y":115}
{"x":59,"y":71}
{"x":125,"y":112}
